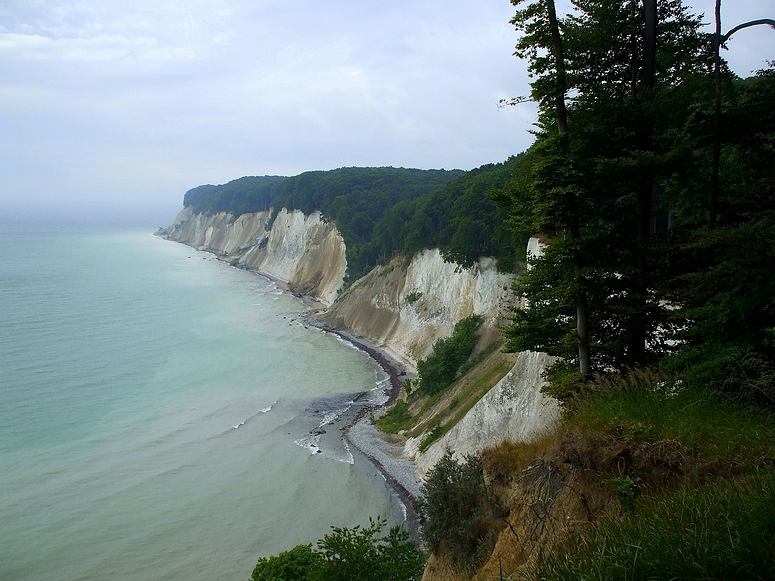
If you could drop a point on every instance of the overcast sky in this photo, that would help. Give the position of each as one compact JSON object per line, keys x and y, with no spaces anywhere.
{"x":140,"y":100}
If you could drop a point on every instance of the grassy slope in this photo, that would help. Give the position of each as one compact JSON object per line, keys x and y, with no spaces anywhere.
{"x":653,"y":479}
{"x":424,"y":413}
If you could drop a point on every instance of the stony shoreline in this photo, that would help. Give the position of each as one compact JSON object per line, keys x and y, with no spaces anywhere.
{"x":361,"y":433}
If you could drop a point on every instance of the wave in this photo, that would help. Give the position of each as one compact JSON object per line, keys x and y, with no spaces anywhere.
{"x":312,"y":444}
{"x":332,"y":416}
{"x":347,"y":343}
{"x":260,"y":412}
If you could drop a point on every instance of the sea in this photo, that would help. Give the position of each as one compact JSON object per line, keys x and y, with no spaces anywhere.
{"x":164,"y":415}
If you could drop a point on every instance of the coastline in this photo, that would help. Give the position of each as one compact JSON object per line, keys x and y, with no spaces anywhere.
{"x":356,"y":427}
{"x":359,"y":430}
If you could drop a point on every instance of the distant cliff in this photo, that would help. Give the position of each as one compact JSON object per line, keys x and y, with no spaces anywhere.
{"x":302,"y":251}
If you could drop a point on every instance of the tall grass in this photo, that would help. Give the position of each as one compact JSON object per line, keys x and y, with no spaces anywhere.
{"x":723,"y":530}
{"x":645,"y":406}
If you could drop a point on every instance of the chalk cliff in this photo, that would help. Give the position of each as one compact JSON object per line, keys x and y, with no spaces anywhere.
{"x":303,"y":251}
{"x":405,"y":306}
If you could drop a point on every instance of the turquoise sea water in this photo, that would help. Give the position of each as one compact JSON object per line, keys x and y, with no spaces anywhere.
{"x":158,"y":412}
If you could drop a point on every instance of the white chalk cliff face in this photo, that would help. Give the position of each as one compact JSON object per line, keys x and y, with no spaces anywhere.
{"x":303,"y":251}
{"x":515,"y":409}
{"x":405,"y":306}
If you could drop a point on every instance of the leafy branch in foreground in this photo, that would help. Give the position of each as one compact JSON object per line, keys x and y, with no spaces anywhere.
{"x":346,"y":554}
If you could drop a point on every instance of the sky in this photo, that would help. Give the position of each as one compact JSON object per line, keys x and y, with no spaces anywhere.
{"x":133,"y":102}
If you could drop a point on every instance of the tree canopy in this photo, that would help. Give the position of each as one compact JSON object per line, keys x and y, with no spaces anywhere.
{"x":618,"y":184}
{"x":384,"y":211}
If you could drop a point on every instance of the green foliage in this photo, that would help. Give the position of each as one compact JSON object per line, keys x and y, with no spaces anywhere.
{"x":241,"y":196}
{"x":627,"y":490}
{"x":346,"y":554}
{"x":397,"y":418}
{"x":358,"y":553}
{"x":436,"y":432}
{"x":656,"y":282}
{"x":460,"y":219}
{"x":413,"y":297}
{"x":298,"y":564}
{"x":461,"y":511}
{"x":724,"y":530}
{"x":439,"y":369}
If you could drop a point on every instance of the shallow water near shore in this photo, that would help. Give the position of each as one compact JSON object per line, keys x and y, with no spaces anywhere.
{"x":164,"y":416}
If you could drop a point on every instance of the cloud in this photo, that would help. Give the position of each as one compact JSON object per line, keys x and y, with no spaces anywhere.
{"x":102,"y":47}
{"x":144,"y":98}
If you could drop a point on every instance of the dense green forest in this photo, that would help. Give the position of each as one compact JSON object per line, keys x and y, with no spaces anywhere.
{"x":460,"y":219}
{"x":240,"y":196}
{"x":385,"y":211}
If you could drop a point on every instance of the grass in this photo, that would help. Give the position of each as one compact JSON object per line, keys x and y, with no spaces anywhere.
{"x":710,"y":424}
{"x":396,"y":419}
{"x":722,"y":530}
{"x":718,"y":526}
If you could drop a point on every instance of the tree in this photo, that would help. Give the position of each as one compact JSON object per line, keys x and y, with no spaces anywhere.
{"x":358,"y":553}
{"x":461,"y":512}
{"x":530,"y":20}
{"x":593,"y":183}
{"x":718,"y":42}
{"x":298,"y":564}
{"x":346,"y":554}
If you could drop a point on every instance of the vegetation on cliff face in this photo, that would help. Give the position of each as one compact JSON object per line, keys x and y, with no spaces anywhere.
{"x":440,"y":368}
{"x":461,"y":512}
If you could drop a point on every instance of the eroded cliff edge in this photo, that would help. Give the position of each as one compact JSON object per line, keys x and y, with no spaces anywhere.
{"x":402,"y":307}
{"x":303,"y":251}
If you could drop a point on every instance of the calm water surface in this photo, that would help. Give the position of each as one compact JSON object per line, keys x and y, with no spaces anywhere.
{"x":155,"y":413}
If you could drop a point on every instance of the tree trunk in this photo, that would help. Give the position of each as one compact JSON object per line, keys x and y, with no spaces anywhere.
{"x":636,"y":351}
{"x":573,"y":226}
{"x":716,"y":120}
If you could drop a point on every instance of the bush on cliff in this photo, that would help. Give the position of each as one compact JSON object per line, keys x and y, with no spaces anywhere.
{"x":440,"y":368}
{"x":461,"y":512}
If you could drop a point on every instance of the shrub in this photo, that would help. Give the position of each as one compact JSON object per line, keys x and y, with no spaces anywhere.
{"x":439,"y":370}
{"x":413,"y":297}
{"x":461,"y":512}
{"x":298,"y":564}
{"x":348,"y":554}
{"x":397,"y":418}
{"x":357,"y":553}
